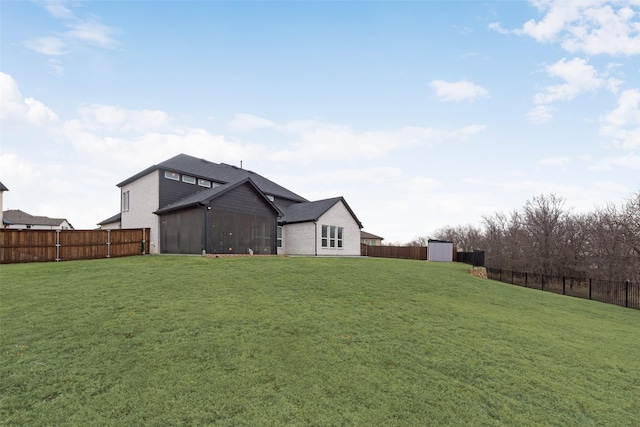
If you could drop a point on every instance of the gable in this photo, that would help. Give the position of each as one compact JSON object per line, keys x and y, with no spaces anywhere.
{"x":243,"y":196}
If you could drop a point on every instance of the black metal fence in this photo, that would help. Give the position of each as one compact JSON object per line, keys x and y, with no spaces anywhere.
{"x":475,"y":258}
{"x":626,"y":294}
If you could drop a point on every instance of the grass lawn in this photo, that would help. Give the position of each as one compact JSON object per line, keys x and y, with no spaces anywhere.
{"x":268,"y":341}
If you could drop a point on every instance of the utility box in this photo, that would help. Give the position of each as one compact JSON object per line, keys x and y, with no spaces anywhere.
{"x":440,"y":250}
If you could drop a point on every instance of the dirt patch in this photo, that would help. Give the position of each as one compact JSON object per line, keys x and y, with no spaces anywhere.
{"x":479,"y":272}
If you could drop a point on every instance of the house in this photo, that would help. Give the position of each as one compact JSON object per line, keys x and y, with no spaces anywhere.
{"x":370,"y":239}
{"x":195,"y":206}
{"x":110,"y":223}
{"x":2,"y":190}
{"x":19,"y":220}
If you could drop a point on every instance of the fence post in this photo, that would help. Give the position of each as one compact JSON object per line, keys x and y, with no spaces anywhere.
{"x":626,"y":293}
{"x":500,"y":274}
{"x":57,"y":245}
{"x":589,"y":287}
{"x":512,"y":277}
{"x":563,"y":284}
{"x":542,"y":282}
{"x":525,"y":279}
{"x":108,"y":243}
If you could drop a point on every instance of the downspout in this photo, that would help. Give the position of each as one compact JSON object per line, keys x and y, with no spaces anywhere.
{"x":315,"y":236}
{"x":205,"y":208}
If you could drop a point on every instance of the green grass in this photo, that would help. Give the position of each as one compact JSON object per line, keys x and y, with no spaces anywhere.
{"x":267,"y":341}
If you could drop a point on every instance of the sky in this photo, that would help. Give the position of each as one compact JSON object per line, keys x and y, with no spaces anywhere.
{"x":421,"y":114}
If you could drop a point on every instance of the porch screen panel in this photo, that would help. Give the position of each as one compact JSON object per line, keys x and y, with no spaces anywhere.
{"x":236,"y":233}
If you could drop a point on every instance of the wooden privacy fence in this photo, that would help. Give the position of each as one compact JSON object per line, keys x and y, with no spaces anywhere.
{"x":406,"y":252}
{"x":65,"y":245}
{"x":626,"y":294}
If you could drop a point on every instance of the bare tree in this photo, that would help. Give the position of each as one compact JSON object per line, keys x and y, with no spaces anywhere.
{"x":495,"y":236}
{"x":420,"y":241}
{"x":544,"y":217}
{"x":544,"y":237}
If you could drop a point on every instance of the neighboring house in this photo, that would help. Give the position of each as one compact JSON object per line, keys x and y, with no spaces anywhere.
{"x":370,"y":239}
{"x":110,"y":223}
{"x":193,"y":206}
{"x":19,"y":220}
{"x":2,"y":190}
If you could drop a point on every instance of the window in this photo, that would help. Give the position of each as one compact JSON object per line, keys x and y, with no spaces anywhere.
{"x":172,"y":175}
{"x":188,"y":179}
{"x":204,"y":183}
{"x":325,"y":229}
{"x":125,"y":201}
{"x":332,"y":236}
{"x":279,"y":237}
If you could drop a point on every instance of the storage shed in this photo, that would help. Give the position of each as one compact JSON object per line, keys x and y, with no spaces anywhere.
{"x":439,"y":250}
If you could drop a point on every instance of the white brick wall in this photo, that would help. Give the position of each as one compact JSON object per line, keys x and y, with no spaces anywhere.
{"x":144,"y":198}
{"x":306,"y":238}
{"x":298,"y":239}
{"x":339,"y":216}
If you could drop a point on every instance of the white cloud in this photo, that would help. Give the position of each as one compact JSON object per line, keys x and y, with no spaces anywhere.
{"x":623,"y":123}
{"x":80,"y":32}
{"x":314,"y":141}
{"x":58,"y":10}
{"x":93,"y":33}
{"x":540,"y":114}
{"x":49,"y":46}
{"x":555,"y":161}
{"x":110,"y":118}
{"x":14,"y":107}
{"x":628,"y":161}
{"x":579,"y":77}
{"x":458,"y":91}
{"x":590,"y":26}
{"x":248,"y":122}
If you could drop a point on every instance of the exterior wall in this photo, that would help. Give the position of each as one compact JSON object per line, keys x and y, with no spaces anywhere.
{"x":340,"y":216}
{"x":372,"y":242}
{"x":298,"y":239}
{"x":111,"y":226}
{"x":64,"y":225}
{"x":440,"y":251}
{"x":1,"y":209}
{"x":143,"y":201}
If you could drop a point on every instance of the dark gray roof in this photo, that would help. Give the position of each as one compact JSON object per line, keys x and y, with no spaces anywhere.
{"x":218,"y":172}
{"x":16,"y":216}
{"x":197,"y":199}
{"x":3,"y":188}
{"x":312,"y":211}
{"x":111,"y":220}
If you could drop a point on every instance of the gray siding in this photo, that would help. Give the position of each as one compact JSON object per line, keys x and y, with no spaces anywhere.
{"x":240,"y":220}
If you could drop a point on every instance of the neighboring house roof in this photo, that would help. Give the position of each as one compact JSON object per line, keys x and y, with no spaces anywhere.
{"x":16,"y":216}
{"x":312,"y":211}
{"x":218,"y":172}
{"x":116,"y":218}
{"x":197,"y":199}
{"x":365,"y":235}
{"x":3,"y":188}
